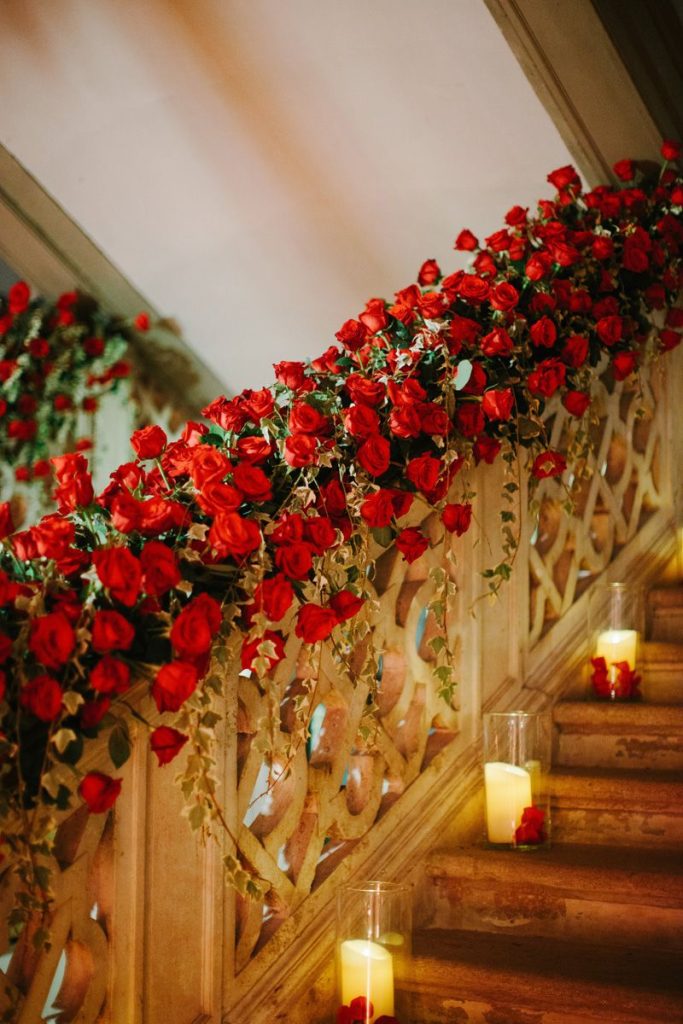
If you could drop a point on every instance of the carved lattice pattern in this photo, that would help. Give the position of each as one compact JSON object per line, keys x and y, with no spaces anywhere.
{"x":69,"y":981}
{"x":298,"y":825}
{"x":622,"y":487}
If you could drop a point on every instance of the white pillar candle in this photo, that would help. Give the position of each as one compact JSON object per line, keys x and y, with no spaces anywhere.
{"x":617,"y":645}
{"x":367,"y":969}
{"x":508,"y":792}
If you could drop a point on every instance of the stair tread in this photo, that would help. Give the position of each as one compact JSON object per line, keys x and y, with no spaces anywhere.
{"x":538,"y":972}
{"x":662,"y":651}
{"x":639,"y":714}
{"x":641,"y":875}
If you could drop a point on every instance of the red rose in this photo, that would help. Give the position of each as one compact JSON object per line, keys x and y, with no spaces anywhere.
{"x":291,"y":374}
{"x":473,"y":289}
{"x":99,"y":791}
{"x":564,"y":178}
{"x":623,"y":365}
{"x":497,"y":404}
{"x":352,"y":335}
{"x":232,"y":535}
{"x":304,"y":418}
{"x":602,"y":247}
{"x":361,"y":421}
{"x":295,"y":560}
{"x":504,"y":297}
{"x":288,"y":528}
{"x":374,"y":317}
{"x":110,"y":675}
{"x":228,"y":415}
{"x":405,"y":420}
{"x":434,"y":419}
{"x":159,"y":567}
{"x":149,"y":442}
{"x":625,"y":170}
{"x":174,"y":683}
{"x":466,"y":241}
{"x":431,"y":305}
{"x":22,"y":430}
{"x":120,"y":572}
{"x":429,"y":273}
{"x":273,"y":597}
{"x":301,"y":450}
{"x":674,"y":317}
{"x":424,"y":472}
{"x":193,"y":631}
{"x":670,"y":150}
{"x":575,"y":352}
{"x":470,"y":419}
{"x":576,"y":402}
{"x":141,"y":321}
{"x":530,"y":831}
{"x":543,"y":333}
{"x":635,"y":258}
{"x":497,"y":342}
{"x":111,"y":632}
{"x":547,"y":464}
{"x":52,"y":639}
{"x":346,"y":604}
{"x":166,"y":743}
{"x":216,"y":498}
{"x":254,"y":450}
{"x":252,"y":482}
{"x":18,"y":297}
{"x":207,"y":463}
{"x":457,"y":518}
{"x":93,"y":711}
{"x":6,"y":522}
{"x":610,"y":330}
{"x":548,"y":376}
{"x":5,"y":647}
{"x":320,"y":533}
{"x":463,"y":330}
{"x":374,"y":455}
{"x":378,"y":509}
{"x":42,"y":696}
{"x":412,"y":543}
{"x":314,"y":623}
{"x":537,"y":266}
{"x":250,"y":650}
{"x":256,"y":405}
{"x":363,"y":391}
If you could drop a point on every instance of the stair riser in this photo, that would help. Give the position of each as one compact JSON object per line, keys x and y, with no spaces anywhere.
{"x":636,"y":752}
{"x":435,"y":1008}
{"x":666,"y":625}
{"x":617,"y":827}
{"x":499,"y":908}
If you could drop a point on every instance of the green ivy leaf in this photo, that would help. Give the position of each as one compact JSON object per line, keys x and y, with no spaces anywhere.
{"x":119,"y":744}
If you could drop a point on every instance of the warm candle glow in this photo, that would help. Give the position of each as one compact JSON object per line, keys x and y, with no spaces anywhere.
{"x":616,"y":645}
{"x":508,"y":792}
{"x":367,"y":969}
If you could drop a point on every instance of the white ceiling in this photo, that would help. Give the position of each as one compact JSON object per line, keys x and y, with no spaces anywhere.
{"x":259,"y":168}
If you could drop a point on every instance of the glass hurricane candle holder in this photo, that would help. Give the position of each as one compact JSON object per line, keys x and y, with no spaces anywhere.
{"x":516,"y":764}
{"x":373,"y":952}
{"x":614,"y":625}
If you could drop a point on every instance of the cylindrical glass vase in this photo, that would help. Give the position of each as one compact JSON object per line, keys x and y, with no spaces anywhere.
{"x":615,"y":613}
{"x":516,"y":765}
{"x":373,"y":951}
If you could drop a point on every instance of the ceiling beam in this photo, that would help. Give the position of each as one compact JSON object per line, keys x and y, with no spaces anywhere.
{"x":577,"y":73}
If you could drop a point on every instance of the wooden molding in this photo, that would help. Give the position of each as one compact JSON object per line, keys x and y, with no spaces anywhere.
{"x":43,"y":244}
{"x":577,"y":73}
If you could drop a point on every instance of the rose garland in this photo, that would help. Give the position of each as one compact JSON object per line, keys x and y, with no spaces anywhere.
{"x":56,"y":361}
{"x":263,"y":519}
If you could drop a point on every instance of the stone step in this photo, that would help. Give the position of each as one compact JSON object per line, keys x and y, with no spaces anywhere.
{"x":478,"y":978}
{"x":607,"y":807}
{"x":665,"y":614}
{"x":661,"y":669}
{"x":602,"y":894}
{"x":630,"y":735}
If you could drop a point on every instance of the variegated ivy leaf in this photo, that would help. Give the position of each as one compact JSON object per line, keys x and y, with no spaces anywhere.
{"x":462,"y":374}
{"x":72,"y":701}
{"x":63,"y":737}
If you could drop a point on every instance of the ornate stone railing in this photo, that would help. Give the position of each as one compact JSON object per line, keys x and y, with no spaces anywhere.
{"x":143,"y":920}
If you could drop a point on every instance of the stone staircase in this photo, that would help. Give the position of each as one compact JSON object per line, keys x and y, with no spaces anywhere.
{"x":591,"y":929}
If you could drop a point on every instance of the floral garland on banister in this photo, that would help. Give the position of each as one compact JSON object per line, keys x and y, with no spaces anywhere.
{"x":57,"y":359}
{"x":262,"y":521}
